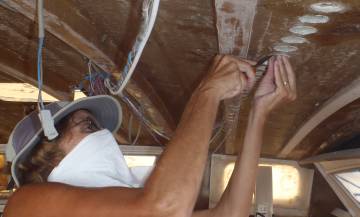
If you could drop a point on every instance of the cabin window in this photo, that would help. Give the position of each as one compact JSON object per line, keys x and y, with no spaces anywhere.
{"x":350,"y":180}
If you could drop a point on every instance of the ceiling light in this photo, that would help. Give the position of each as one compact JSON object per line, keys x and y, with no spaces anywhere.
{"x":285,"y":48}
{"x":303,"y":30}
{"x":293,"y":39}
{"x":328,"y":7}
{"x":314,"y":19}
{"x":22,"y":92}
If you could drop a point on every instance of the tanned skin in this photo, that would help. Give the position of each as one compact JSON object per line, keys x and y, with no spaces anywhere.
{"x":173,"y":187}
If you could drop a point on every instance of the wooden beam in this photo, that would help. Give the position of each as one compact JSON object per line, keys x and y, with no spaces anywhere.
{"x":91,"y":50}
{"x":334,"y":104}
{"x":234,"y":24}
{"x":10,"y":71}
{"x":338,"y":155}
{"x":20,"y":55}
{"x":340,"y":213}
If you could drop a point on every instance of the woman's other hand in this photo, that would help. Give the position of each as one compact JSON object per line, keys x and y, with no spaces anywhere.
{"x":277,"y":86}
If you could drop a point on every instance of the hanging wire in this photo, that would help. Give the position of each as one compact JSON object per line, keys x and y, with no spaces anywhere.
{"x":226,"y":136}
{"x":40,"y":73}
{"x":150,"y":127}
{"x":41,"y":36}
{"x":139,"y":112}
{"x":93,"y":81}
{"x":130,"y":128}
{"x":217,"y":133}
{"x":149,"y":13}
{"x":137,"y":134}
{"x":90,"y":78}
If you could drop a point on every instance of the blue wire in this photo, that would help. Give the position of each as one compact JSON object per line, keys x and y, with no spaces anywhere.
{"x":128,"y":64}
{"x":39,"y":64}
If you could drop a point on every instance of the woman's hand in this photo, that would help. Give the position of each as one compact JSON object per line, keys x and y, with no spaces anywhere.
{"x":228,"y":77}
{"x":277,"y":86}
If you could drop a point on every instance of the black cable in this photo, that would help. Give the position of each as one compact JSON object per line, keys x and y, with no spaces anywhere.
{"x":259,"y":214}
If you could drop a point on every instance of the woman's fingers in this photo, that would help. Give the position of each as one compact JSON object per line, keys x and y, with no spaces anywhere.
{"x":278,"y":78}
{"x":269,"y":74}
{"x":291,"y":77}
{"x":283,"y":73}
{"x":276,"y":86}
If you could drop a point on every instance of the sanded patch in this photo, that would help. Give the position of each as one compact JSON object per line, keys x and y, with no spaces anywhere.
{"x":234,"y":24}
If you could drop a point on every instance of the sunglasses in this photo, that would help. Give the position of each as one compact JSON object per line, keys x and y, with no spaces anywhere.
{"x":88,"y":124}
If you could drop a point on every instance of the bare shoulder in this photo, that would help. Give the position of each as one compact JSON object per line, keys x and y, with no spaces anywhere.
{"x":25,"y":200}
{"x":54,"y":199}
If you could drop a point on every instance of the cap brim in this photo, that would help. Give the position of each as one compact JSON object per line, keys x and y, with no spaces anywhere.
{"x":106,"y":110}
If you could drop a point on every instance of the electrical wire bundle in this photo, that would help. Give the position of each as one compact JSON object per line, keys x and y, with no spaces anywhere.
{"x":94,"y":80}
{"x":139,"y":112}
{"x":149,"y":13}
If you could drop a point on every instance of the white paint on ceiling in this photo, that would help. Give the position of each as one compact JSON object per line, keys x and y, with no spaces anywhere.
{"x":328,"y":7}
{"x":303,"y":30}
{"x":285,"y":48}
{"x":293,"y":39}
{"x":313,"y":19}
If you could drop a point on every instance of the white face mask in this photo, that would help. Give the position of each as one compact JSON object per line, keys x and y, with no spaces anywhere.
{"x":96,"y":162}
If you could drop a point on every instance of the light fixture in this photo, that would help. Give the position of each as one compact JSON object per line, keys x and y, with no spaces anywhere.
{"x":285,"y":48}
{"x":303,"y":30}
{"x":313,"y":19}
{"x":22,"y":92}
{"x":286,"y":180}
{"x":328,"y":7}
{"x":293,"y":39}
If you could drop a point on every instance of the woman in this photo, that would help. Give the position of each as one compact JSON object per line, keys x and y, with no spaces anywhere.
{"x":82,"y":142}
{"x":172,"y":188}
{"x":33,"y":157}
